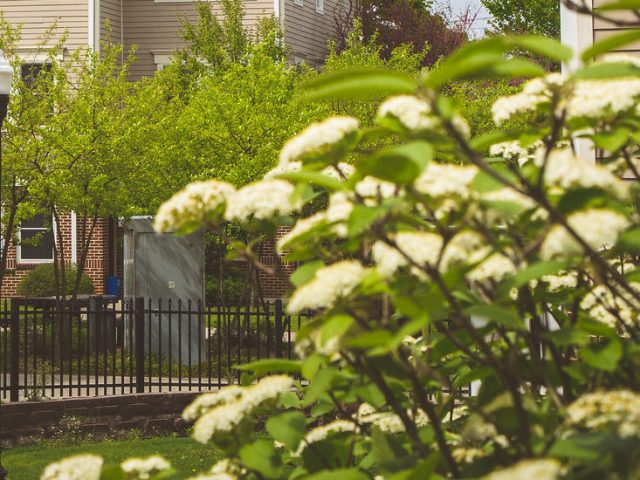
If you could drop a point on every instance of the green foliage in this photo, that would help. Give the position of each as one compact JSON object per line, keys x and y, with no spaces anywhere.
{"x":41,"y":282}
{"x":540,"y":17}
{"x":476,"y":98}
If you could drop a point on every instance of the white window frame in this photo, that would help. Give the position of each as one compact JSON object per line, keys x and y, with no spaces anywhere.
{"x":320,"y":7}
{"x":161,"y":59}
{"x":300,"y":3}
{"x":19,"y":257}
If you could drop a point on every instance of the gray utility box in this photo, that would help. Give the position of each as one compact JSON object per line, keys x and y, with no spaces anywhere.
{"x":163,"y":267}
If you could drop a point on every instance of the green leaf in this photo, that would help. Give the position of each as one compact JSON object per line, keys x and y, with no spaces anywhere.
{"x":339,"y":474}
{"x":630,"y":241}
{"x":543,"y":46}
{"x":610,"y":43}
{"x":533,"y":272}
{"x":361,"y":218}
{"x":305,"y":273}
{"x":287,"y":428}
{"x":620,"y":5}
{"x":336,"y":326}
{"x":319,"y":385}
{"x":499,"y":315}
{"x":401,"y":164}
{"x":311,"y":365}
{"x":607,"y":70}
{"x":613,"y":140}
{"x":263,"y":457}
{"x":604,"y":356}
{"x":585,"y":447}
{"x":359,"y":84}
{"x":112,"y":472}
{"x":271,"y":365}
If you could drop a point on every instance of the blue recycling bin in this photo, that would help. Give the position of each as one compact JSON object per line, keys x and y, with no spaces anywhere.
{"x":114,"y":286}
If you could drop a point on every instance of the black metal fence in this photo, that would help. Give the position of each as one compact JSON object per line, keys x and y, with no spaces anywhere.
{"x":103,"y":346}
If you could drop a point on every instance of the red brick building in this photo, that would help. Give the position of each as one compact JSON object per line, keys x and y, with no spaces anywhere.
{"x":104,"y":258}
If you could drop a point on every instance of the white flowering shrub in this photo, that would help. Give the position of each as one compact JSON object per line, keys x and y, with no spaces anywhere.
{"x":476,"y":301}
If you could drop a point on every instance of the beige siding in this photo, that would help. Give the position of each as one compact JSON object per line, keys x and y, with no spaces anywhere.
{"x":111,"y":10}
{"x":307,"y":31}
{"x":603,"y":29}
{"x":154,"y":27}
{"x":38,"y":15}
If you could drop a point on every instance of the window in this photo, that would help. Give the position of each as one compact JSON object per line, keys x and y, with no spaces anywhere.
{"x":30,"y":71}
{"x":320,"y":6}
{"x":36,"y":240}
{"x":300,"y":3}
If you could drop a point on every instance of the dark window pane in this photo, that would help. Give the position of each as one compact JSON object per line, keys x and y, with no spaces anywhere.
{"x":36,"y":245}
{"x":39,"y":221}
{"x":30,"y":72}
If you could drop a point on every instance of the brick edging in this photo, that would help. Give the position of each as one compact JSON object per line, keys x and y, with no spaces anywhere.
{"x":105,"y":416}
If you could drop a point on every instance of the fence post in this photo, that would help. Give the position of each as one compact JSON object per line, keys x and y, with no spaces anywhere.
{"x":139,"y":343}
{"x":15,"y":352}
{"x":278,"y":329}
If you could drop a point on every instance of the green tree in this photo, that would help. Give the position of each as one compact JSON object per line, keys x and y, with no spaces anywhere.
{"x":25,"y":145}
{"x":540,"y":17}
{"x":87,"y":172}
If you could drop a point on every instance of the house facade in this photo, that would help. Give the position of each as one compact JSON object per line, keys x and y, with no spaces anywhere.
{"x":153,"y":26}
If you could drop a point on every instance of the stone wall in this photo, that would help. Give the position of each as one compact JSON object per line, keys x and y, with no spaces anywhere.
{"x":152,"y":413}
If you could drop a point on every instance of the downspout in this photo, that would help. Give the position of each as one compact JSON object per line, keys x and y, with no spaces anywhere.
{"x":576,"y":32}
{"x":74,"y":238}
{"x":278,"y":12}
{"x":91,"y":23}
{"x":121,"y":32}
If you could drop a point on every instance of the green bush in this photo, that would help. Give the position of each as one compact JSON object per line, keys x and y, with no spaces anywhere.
{"x":41,"y":282}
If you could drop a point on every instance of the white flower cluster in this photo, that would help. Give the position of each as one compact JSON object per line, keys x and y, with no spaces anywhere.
{"x":318,"y":139}
{"x":534,"y":93}
{"x":495,"y":200}
{"x":388,"y":422}
{"x":207,"y":401}
{"x":496,"y":267}
{"x":592,"y":99}
{"x":327,"y":286}
{"x":302,"y":226}
{"x":543,"y":469}
{"x":415,"y":114}
{"x":561,"y":281}
{"x":412,"y":112}
{"x":144,"y":468}
{"x":78,"y":467}
{"x":225,"y":469}
{"x":564,"y":170}
{"x":599,"y":228}
{"x":336,"y":216}
{"x":224,"y":417}
{"x":618,"y":410}
{"x":606,"y":307}
{"x":446,"y":180}
{"x":338,"y":212}
{"x":197,"y":202}
{"x":323,"y":431}
{"x":262,"y":200}
{"x":514,"y":151}
{"x":421,"y":247}
{"x":467,"y":454}
{"x":372,"y":189}
{"x":465,"y":247}
{"x":438,"y":180}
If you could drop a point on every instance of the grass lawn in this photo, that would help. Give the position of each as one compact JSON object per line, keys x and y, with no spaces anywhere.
{"x":186,"y":455}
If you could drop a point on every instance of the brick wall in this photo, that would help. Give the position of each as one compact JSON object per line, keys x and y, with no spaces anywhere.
{"x":152,"y":413}
{"x":275,"y":286}
{"x":97,"y":261}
